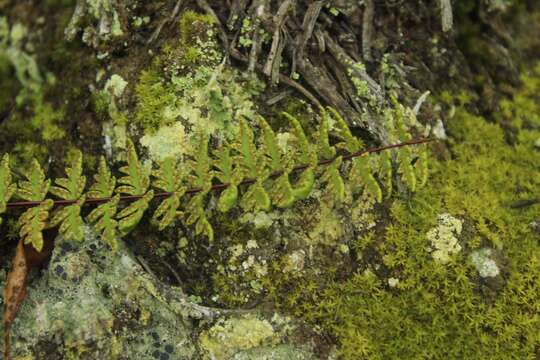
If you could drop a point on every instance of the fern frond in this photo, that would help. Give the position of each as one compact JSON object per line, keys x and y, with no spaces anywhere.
{"x":32,"y":222}
{"x":385,"y":171}
{"x":136,"y":180}
{"x":130,"y":216}
{"x":421,"y":167}
{"x":302,"y":146}
{"x":70,"y":188}
{"x":201,"y":178}
{"x":103,"y":220}
{"x":197,"y":216}
{"x":349,"y":142}
{"x":256,"y":198}
{"x":104,"y":182}
{"x":333,"y":180}
{"x":405,"y":169}
{"x":270,"y":147}
{"x":70,"y":220}
{"x":227,"y":173}
{"x":200,"y":173}
{"x":35,"y":187}
{"x":253,"y":164}
{"x":249,"y":158}
{"x":323,"y":138}
{"x":169,"y":178}
{"x":7,"y":188}
{"x":306,"y":156}
{"x":361,"y":174}
{"x":103,"y":217}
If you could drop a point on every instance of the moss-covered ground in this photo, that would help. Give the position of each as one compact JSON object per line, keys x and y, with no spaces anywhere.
{"x":425,"y":309}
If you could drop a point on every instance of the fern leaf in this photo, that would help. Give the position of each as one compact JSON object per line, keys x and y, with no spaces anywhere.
{"x":282,"y":192}
{"x":130,"y":216}
{"x":32,"y":222}
{"x":333,"y":180}
{"x":302,"y":147}
{"x":169,"y":178}
{"x":323,"y":142}
{"x":349,"y":141}
{"x":72,"y":187}
{"x":35,"y":187}
{"x":70,"y":221}
{"x":201,"y":176}
{"x":405,"y":169}
{"x":136,"y":181}
{"x":104,"y":182}
{"x":421,"y":167}
{"x":229,"y":174}
{"x":362,"y":174}
{"x":197,"y":216}
{"x":304,"y":185}
{"x":249,"y":160}
{"x":306,"y":156}
{"x":256,"y":198}
{"x":270,"y":148}
{"x":385,"y":171}
{"x":7,"y":188}
{"x":103,"y":220}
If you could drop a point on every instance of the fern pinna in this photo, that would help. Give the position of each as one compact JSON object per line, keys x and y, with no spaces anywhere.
{"x":253,"y":171}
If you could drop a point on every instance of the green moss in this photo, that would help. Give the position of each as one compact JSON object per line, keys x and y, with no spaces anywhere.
{"x":153,"y":97}
{"x":448,"y":311}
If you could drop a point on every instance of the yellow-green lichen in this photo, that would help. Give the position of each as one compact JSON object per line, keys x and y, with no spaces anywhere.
{"x":231,"y":336}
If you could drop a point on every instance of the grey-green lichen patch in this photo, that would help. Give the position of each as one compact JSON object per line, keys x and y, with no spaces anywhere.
{"x":168,"y":141}
{"x":250,"y":337}
{"x":91,"y":304}
{"x":484,"y":263}
{"x":99,"y":20}
{"x":444,"y":238}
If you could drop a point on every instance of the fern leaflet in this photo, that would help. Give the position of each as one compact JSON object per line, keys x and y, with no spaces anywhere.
{"x":333,"y":180}
{"x":169,"y":178}
{"x":7,"y":188}
{"x":201,"y":178}
{"x":227,"y":173}
{"x":70,"y":188}
{"x":135,"y":182}
{"x":103,"y":217}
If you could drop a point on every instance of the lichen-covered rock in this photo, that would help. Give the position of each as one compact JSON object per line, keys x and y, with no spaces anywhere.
{"x":93,"y":304}
{"x":444,"y":238}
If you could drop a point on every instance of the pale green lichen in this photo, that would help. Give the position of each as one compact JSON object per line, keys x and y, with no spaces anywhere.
{"x":226,"y":338}
{"x":168,"y":141}
{"x":484,"y":263}
{"x":116,"y":85}
{"x":444,"y":238}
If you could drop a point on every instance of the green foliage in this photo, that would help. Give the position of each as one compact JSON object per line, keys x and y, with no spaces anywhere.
{"x":254,"y":159}
{"x":33,"y":221}
{"x":70,"y":188}
{"x":7,"y":188}
{"x":200,"y":178}
{"x":227,"y":173}
{"x":362,"y":174}
{"x":103,"y":216}
{"x":135,"y":182}
{"x":169,"y":178}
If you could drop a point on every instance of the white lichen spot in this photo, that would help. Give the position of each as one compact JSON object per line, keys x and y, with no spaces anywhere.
{"x":295,"y":261}
{"x":484,"y":264}
{"x":168,"y":141}
{"x":251,"y":244}
{"x":444,"y":238}
{"x":392,"y":282}
{"x":116,"y":85}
